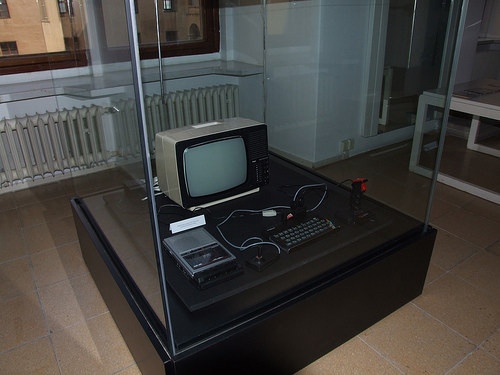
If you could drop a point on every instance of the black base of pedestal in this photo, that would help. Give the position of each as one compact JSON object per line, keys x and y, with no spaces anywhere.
{"x":281,"y":340}
{"x":312,"y":325}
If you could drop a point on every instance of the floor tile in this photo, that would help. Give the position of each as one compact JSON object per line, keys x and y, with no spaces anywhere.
{"x":61,"y":315}
{"x":416,"y":343}
{"x":9,"y":221}
{"x":450,"y":250}
{"x":50,"y":235}
{"x":39,"y":193}
{"x":39,"y":237}
{"x":12,"y":245}
{"x":477,"y":363}
{"x":108,"y":178}
{"x":483,"y":271}
{"x":469,"y":226}
{"x":484,"y":208}
{"x":449,"y":194}
{"x":22,"y":321}
{"x":94,"y":347}
{"x":494,"y":249}
{"x":132,"y":370}
{"x":48,"y":210}
{"x":440,"y":208}
{"x":492,"y":345}
{"x":433,"y":273}
{"x":34,"y":358}
{"x":7,"y":201}
{"x":16,"y":278}
{"x":474,"y":167}
{"x":71,"y":301}
{"x":462,"y":307}
{"x":78,"y":185}
{"x":87,"y":295}
{"x":57,"y":264}
{"x":354,"y":357}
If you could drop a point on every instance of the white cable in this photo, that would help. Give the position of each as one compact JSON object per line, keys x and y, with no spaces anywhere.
{"x":310,"y":186}
{"x":261,"y":242}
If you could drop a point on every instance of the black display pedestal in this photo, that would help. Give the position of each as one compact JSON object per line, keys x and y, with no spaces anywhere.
{"x":280,"y":338}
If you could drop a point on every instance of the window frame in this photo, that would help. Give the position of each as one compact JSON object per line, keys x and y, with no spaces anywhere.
{"x":9,"y":44}
{"x":4,"y":10}
{"x":39,"y":62}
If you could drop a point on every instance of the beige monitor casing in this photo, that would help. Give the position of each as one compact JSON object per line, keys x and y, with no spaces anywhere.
{"x":166,"y":156}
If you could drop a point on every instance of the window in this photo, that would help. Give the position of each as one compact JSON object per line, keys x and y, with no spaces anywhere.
{"x":43,"y":45}
{"x":187,"y":27}
{"x":65,"y":7}
{"x":171,"y":36}
{"x":4,"y":9}
{"x":194,"y":32}
{"x":8,"y":48}
{"x":44,"y":17}
{"x":62,"y":42}
{"x":168,"y":6}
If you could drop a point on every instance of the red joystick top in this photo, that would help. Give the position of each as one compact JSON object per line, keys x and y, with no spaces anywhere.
{"x":362,"y":182}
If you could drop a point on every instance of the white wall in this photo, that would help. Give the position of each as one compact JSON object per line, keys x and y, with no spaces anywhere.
{"x":344,"y":48}
{"x":317,"y":70}
{"x":292,"y":52}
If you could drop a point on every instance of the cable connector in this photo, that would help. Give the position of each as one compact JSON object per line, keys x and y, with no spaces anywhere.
{"x":269,"y":213}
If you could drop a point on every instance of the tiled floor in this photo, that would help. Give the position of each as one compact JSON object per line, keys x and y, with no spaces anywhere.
{"x":55,"y":322}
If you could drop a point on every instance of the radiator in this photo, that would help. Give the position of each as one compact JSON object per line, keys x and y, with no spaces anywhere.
{"x":181,"y":108}
{"x":45,"y":145}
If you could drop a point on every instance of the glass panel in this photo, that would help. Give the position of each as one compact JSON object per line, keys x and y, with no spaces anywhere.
{"x":316,"y":90}
{"x":179,"y":21}
{"x":42,"y":26}
{"x":35,"y":34}
{"x":416,"y":32}
{"x":316,"y":97}
{"x":103,"y":133}
{"x":200,"y":314}
{"x":321,"y":85}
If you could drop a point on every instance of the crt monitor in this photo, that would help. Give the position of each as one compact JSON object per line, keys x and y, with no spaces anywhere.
{"x":208,"y":163}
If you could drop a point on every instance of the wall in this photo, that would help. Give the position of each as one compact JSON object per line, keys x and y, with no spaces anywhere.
{"x":343,"y":71}
{"x":292,"y":51}
{"x":318,"y":67}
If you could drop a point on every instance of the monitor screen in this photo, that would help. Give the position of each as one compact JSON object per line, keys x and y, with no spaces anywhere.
{"x":214,"y":167}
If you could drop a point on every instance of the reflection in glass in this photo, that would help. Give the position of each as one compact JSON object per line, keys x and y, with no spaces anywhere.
{"x":416,"y":31}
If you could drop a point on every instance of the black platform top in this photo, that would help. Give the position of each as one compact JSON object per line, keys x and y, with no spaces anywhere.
{"x":198,"y":312}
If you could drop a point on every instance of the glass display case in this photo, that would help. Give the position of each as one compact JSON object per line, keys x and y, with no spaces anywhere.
{"x":216,"y":289}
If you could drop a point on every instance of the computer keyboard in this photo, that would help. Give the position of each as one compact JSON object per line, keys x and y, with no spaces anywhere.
{"x":295,"y":233}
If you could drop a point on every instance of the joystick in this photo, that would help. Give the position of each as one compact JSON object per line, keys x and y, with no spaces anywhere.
{"x":358,"y":188}
{"x":353,"y":212}
{"x":262,"y":259}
